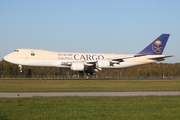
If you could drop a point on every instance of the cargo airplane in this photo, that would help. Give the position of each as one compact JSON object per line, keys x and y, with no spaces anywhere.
{"x":88,"y":62}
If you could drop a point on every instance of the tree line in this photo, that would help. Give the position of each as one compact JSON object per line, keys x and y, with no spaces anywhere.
{"x":149,"y":70}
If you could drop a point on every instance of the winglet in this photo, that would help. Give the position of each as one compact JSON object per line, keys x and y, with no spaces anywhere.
{"x":157,"y":46}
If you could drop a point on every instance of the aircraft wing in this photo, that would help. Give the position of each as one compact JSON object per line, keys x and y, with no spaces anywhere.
{"x":91,"y":63}
{"x":114,"y":60}
{"x":66,"y":63}
{"x":120,"y":59}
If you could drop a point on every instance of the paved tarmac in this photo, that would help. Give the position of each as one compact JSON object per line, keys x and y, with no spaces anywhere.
{"x":63,"y":94}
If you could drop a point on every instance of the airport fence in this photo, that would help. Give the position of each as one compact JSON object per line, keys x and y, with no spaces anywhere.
{"x":60,"y":77}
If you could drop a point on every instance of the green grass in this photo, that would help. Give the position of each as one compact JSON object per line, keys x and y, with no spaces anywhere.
{"x":88,"y":85}
{"x":90,"y":108}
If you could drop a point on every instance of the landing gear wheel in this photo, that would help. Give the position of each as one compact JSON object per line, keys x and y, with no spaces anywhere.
{"x":20,"y":68}
{"x":81,"y":73}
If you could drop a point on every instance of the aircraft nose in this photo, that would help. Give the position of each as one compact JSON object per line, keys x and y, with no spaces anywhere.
{"x":7,"y":57}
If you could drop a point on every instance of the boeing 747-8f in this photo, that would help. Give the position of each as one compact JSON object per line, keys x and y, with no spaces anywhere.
{"x":88,"y":62}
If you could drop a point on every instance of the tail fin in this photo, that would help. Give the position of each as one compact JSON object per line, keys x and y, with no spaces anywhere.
{"x":157,"y":46}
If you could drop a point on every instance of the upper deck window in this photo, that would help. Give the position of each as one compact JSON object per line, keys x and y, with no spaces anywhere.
{"x":16,"y":50}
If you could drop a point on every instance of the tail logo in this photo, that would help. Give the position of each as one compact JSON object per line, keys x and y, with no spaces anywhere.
{"x":156,"y":46}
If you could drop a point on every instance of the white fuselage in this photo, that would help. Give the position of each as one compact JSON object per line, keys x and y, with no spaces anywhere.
{"x":44,"y":58}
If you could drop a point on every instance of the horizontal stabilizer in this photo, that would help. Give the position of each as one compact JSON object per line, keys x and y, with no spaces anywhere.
{"x":161,"y":58}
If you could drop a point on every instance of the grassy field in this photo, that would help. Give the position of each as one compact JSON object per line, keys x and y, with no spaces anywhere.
{"x":88,"y":85}
{"x":90,"y":108}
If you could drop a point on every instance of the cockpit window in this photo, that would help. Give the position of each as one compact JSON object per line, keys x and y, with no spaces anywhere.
{"x":16,"y":50}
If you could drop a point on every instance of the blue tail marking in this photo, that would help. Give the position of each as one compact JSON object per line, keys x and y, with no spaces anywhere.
{"x":157,"y":46}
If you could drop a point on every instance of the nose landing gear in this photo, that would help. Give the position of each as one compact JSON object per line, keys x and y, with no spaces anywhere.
{"x":20,"y":68}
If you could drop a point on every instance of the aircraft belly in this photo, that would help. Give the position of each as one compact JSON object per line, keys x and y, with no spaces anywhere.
{"x":39,"y":63}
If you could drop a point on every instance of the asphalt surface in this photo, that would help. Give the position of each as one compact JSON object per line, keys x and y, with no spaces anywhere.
{"x":63,"y":94}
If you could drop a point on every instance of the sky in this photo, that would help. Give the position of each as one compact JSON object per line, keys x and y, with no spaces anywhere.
{"x":94,"y":26}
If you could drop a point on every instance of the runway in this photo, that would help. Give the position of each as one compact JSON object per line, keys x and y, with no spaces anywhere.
{"x":63,"y":94}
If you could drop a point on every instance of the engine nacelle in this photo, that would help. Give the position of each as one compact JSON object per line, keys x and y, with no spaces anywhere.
{"x":77,"y":66}
{"x":103,"y":63}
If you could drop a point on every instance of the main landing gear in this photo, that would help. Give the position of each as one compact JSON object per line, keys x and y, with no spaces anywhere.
{"x":81,"y":73}
{"x":87,"y":72}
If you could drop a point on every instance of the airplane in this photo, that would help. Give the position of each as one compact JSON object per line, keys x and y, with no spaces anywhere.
{"x":88,"y":63}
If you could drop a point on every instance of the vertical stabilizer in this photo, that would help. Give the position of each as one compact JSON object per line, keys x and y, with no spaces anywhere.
{"x":157,"y":46}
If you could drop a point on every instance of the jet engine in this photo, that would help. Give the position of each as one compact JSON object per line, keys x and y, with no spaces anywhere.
{"x":103,"y":63}
{"x":77,"y":66}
